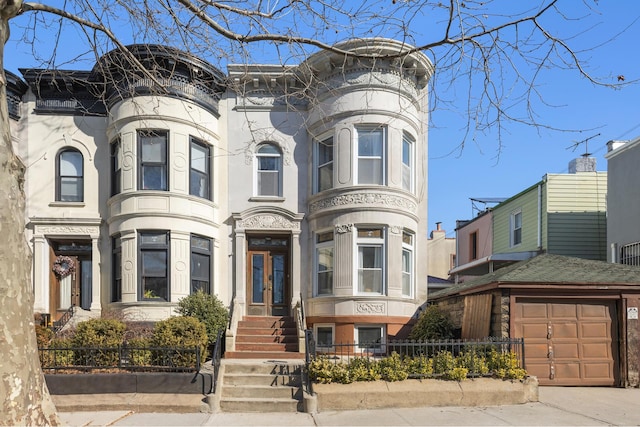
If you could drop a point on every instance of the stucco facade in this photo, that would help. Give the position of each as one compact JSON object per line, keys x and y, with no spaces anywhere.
{"x":272,"y":187}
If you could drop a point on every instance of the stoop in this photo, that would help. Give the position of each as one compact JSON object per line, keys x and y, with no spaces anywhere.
{"x":259,"y":386}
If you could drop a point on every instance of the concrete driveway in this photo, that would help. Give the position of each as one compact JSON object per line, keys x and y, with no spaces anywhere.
{"x":558,"y":406}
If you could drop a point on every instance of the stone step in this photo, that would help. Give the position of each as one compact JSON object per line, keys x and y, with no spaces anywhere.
{"x":261,"y":380}
{"x":259,"y":391}
{"x":244,"y":404}
{"x":263,"y":368}
{"x":282,"y":339}
{"x":264,"y":355}
{"x":266,"y":322}
{"x":266,"y":347}
{"x":266,"y":331}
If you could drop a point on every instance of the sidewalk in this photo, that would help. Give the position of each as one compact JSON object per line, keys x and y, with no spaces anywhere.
{"x":558,"y":406}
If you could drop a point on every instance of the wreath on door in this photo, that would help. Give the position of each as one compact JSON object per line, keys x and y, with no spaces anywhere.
{"x":64,"y":266}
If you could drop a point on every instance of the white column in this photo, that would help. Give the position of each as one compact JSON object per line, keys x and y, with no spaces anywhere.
{"x":295,"y":268}
{"x":40,"y":274}
{"x":240,"y":255}
{"x":96,"y":278}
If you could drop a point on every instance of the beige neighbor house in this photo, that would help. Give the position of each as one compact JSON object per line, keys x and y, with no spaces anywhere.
{"x":275,"y":188}
{"x":563,"y":214}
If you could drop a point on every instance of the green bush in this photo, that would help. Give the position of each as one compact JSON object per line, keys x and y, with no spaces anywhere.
{"x":57,"y":354}
{"x":106,"y":334}
{"x":397,"y":368}
{"x":206,"y":308}
{"x":433,"y":324}
{"x":44,"y":336}
{"x":181,"y":332}
{"x":138,"y":351}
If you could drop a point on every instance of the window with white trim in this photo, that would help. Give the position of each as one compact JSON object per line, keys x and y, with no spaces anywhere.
{"x":116,"y":167}
{"x":324,"y":336}
{"x":371,"y":149}
{"x":324,"y":263}
{"x":324,"y":165}
{"x":407,"y":264}
{"x":69,"y":176}
{"x":153,"y":259}
{"x":268,"y":171}
{"x":516,"y":228}
{"x":199,"y":169}
{"x":407,"y":161}
{"x":153,"y":173}
{"x":370,"y":337}
{"x":201,"y":250}
{"x":371,"y":260}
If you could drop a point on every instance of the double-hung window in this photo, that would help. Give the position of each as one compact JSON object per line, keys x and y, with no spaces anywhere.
{"x":116,"y":269}
{"x":152,"y":160}
{"x":407,"y":161}
{"x":200,"y":264}
{"x":70,"y":176}
{"x":268,"y":171}
{"x":324,"y":263}
{"x":370,"y":337}
{"x":116,"y":167}
{"x":153,"y":252}
{"x":324,"y":165}
{"x":371,"y":148}
{"x":516,"y":228}
{"x":324,"y":336}
{"x":200,"y":166}
{"x":407,"y":264}
{"x":371,"y":261}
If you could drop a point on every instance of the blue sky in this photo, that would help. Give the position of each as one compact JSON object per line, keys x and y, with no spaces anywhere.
{"x":490,"y":166}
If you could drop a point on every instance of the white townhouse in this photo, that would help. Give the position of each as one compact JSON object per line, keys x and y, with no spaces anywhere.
{"x":281,"y":190}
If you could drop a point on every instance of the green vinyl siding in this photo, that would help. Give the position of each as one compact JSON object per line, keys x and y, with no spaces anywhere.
{"x":527,"y":203}
{"x":576,"y":215}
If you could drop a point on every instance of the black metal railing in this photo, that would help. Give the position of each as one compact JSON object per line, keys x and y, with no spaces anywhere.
{"x":216,"y":358}
{"x":121,"y":357}
{"x":473,"y":349}
{"x":59,"y":324}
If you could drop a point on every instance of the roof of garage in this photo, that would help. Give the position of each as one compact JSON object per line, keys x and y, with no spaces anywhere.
{"x":553,"y":270}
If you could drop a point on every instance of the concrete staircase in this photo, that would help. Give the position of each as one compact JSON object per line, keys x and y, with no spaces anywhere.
{"x":261,"y":386}
{"x":266,"y":337}
{"x":263,"y":372}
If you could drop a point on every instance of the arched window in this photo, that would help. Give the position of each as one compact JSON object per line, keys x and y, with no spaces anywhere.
{"x":268,"y":171}
{"x":69,"y":176}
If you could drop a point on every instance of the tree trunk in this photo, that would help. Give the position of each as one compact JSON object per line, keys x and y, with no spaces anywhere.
{"x":24,"y":393}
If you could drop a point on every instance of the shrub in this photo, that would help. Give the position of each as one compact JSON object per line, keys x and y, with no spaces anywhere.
{"x":420,"y":366}
{"x":443,"y":362}
{"x":181,"y":332}
{"x":393,"y":368}
{"x":44,"y":336}
{"x":208,"y":309}
{"x":105,"y":334}
{"x":433,"y":324}
{"x":506,"y":365}
{"x":57,"y":353}
{"x":364,"y":369}
{"x":139,"y":352}
{"x":473,"y":361}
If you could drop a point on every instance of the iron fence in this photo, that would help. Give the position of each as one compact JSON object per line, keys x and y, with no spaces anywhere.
{"x":121,"y":357}
{"x":475,"y":349}
{"x":216,"y":358}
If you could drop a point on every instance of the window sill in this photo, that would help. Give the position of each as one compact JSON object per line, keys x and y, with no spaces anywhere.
{"x":267,"y":199}
{"x":67,"y":204}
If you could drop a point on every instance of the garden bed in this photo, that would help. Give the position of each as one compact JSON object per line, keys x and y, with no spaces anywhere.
{"x":414,"y":393}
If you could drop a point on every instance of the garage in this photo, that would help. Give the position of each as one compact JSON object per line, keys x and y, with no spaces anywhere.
{"x":568,"y":342}
{"x":578,"y":317}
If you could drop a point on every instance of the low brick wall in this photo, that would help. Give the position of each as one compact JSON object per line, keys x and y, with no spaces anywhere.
{"x":421,"y":393}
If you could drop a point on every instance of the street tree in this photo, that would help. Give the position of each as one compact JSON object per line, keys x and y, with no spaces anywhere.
{"x":499,"y":50}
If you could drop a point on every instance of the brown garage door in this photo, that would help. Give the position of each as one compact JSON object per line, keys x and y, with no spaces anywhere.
{"x":568,"y":342}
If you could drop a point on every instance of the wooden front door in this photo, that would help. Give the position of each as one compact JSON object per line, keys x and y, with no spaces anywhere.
{"x":267,"y":280}
{"x":71,"y":290}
